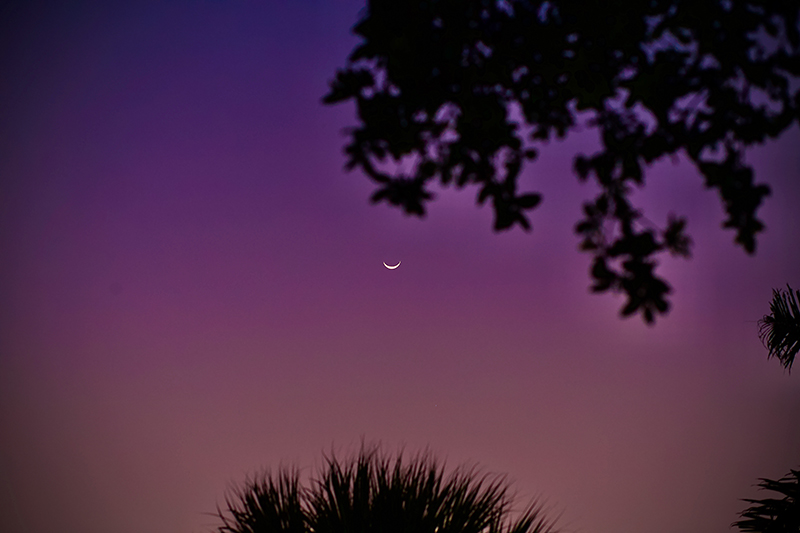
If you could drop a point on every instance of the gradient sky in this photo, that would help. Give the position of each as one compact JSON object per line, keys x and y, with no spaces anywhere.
{"x":191,"y":289}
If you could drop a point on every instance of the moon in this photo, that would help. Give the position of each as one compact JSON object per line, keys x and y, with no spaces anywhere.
{"x":392,"y":267}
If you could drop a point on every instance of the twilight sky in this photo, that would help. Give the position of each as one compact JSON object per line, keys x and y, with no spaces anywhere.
{"x":191,"y":288}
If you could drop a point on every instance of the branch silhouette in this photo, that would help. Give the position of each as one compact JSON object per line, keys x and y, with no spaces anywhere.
{"x":447,"y":86}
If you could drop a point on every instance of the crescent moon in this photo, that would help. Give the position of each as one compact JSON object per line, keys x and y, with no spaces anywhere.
{"x":392,"y":267}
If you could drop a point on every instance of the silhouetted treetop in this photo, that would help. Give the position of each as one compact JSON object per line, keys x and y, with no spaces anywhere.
{"x":463,"y":92}
{"x":375,"y":493}
{"x":780,"y":330}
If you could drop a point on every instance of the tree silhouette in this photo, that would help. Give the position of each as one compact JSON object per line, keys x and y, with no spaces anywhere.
{"x":371,"y":493}
{"x":780,"y":330}
{"x":773,"y":515}
{"x":445,"y":88}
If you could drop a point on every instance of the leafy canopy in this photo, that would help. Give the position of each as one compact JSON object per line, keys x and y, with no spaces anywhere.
{"x":444,"y":87}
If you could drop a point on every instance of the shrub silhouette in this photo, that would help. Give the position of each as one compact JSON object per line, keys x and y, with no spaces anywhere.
{"x":372,"y":493}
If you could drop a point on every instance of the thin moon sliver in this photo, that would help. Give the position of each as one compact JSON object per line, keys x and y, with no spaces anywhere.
{"x":392,"y":267}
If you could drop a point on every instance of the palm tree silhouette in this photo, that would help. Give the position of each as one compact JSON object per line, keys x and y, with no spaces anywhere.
{"x":372,"y":493}
{"x":780,"y":331}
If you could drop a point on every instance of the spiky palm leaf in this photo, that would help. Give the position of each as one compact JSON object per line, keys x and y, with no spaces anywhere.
{"x":266,"y":504}
{"x":372,"y":493}
{"x":780,"y":330}
{"x":773,"y":515}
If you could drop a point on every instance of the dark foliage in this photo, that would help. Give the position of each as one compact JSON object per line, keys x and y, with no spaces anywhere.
{"x":446,"y":86}
{"x":780,"y":331}
{"x":266,"y":504}
{"x":373,"y":494}
{"x":773,"y":515}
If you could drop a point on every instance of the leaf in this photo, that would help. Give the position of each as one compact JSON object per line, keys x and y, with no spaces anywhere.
{"x":529,"y":201}
{"x":675,"y":240}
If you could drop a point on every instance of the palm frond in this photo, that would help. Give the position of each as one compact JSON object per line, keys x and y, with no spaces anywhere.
{"x":780,"y":330}
{"x":265,"y":504}
{"x":773,"y":515}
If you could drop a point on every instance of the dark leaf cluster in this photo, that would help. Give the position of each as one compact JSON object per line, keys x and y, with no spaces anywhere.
{"x":450,"y":85}
{"x":774,"y":515}
{"x":372,"y":493}
{"x":780,"y":330}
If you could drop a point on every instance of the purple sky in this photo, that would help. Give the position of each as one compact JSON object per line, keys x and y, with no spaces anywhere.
{"x":191,"y":288}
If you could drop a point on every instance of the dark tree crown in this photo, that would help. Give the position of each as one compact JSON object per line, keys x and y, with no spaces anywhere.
{"x":447,"y":86}
{"x":373,"y":493}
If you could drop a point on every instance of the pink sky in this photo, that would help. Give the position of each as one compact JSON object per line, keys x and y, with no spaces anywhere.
{"x":191,"y":288}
